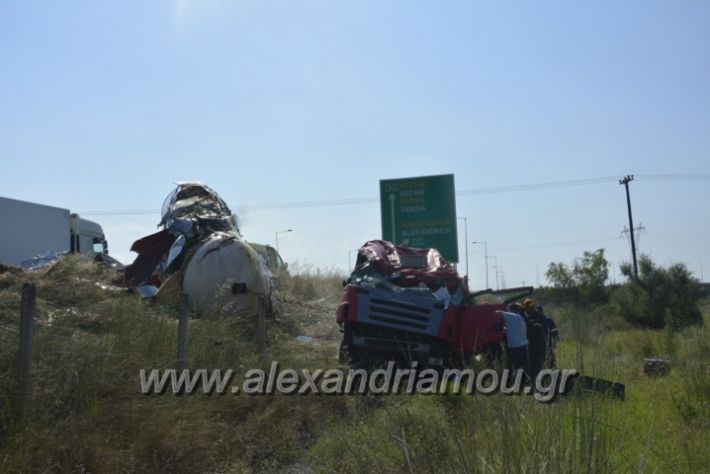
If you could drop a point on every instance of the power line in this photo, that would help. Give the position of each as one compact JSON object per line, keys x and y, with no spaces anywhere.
{"x":673,"y":177}
{"x":674,"y":240}
{"x":320,"y":203}
{"x":120,"y":212}
{"x":535,"y":186}
{"x":465,"y":192}
{"x":369,"y":200}
{"x":557,"y":244}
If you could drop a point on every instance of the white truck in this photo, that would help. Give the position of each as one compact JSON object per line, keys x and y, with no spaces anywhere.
{"x":29,"y":230}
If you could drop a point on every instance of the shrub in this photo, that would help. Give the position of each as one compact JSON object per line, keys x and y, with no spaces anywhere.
{"x":660,"y":297}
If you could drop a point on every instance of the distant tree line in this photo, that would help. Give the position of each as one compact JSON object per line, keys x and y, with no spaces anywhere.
{"x":661,"y":297}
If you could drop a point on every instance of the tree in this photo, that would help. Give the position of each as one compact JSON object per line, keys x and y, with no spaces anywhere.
{"x":584,"y":281}
{"x":660,"y":297}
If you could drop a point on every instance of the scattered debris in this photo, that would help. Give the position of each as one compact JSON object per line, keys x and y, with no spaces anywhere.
{"x":42,"y":260}
{"x":106,"y":287}
{"x":656,"y":366}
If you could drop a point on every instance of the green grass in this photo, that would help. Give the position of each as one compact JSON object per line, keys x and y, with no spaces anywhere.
{"x":87,"y":415}
{"x":662,"y":426}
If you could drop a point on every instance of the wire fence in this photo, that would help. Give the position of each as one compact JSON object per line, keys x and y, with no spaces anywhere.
{"x":30,"y":332}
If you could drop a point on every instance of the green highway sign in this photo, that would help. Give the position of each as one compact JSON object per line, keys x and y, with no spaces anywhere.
{"x":420,"y":212}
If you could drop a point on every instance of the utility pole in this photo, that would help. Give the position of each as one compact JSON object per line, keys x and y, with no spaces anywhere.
{"x":465,"y":236}
{"x":627,"y":179}
{"x":537,"y":272}
{"x":702,"y":277}
{"x":485,"y":250}
{"x":277,"y":236}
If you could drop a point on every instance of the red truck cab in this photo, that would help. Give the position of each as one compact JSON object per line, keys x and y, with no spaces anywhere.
{"x":407,"y":304}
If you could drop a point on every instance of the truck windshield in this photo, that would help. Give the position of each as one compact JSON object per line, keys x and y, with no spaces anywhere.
{"x":99,"y":246}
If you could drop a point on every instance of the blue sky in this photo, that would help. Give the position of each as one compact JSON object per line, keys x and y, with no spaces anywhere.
{"x":104,"y":104}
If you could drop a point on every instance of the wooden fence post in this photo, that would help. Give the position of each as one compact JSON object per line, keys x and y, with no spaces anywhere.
{"x":27,"y":314}
{"x":182,"y":331}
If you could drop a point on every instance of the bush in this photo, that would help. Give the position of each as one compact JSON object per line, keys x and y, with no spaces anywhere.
{"x":660,"y":297}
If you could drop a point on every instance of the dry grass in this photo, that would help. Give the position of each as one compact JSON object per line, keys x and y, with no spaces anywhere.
{"x":87,"y":413}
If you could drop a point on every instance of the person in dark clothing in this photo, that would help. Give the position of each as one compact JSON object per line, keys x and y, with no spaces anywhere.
{"x":552,"y":337}
{"x":536,"y":338}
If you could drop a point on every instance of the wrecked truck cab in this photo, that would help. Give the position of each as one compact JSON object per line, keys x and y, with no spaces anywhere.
{"x":409,"y":304}
{"x":200,"y":252}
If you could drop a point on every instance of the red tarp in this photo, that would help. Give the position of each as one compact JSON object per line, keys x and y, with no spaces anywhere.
{"x":150,"y":250}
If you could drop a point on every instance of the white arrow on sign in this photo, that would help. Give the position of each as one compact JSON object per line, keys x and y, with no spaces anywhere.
{"x":392,"y":198}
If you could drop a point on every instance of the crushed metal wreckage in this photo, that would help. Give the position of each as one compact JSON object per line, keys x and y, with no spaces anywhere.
{"x":199,"y":251}
{"x":399,"y":269}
